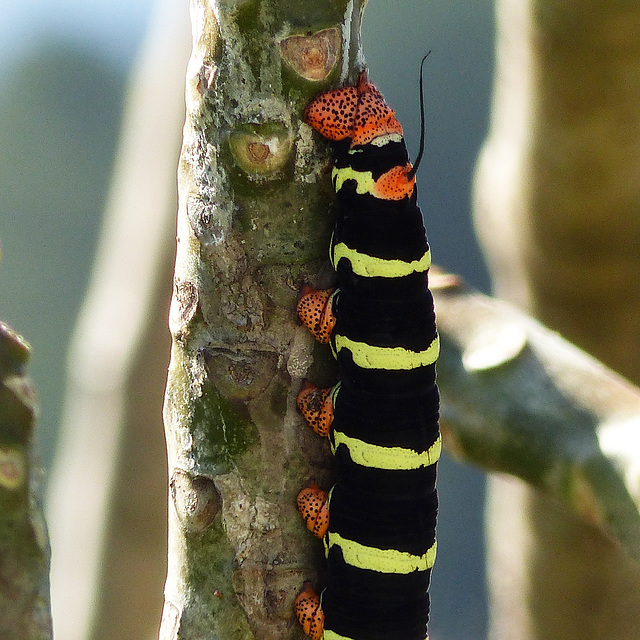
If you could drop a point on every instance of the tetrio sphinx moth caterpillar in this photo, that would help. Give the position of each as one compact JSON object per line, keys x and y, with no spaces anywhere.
{"x":378,"y":521}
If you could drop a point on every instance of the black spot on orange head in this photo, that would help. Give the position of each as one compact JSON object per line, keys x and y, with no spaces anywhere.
{"x":373,"y":117}
{"x":316,"y":312}
{"x":332,"y":113}
{"x":314,"y":509}
{"x":395,"y":184}
{"x":316,"y":406}
{"x":309,"y":612}
{"x":359,"y":113}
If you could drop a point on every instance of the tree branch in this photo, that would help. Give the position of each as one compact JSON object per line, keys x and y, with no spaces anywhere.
{"x":24,"y":546}
{"x":519,"y":399}
{"x":253,"y":226}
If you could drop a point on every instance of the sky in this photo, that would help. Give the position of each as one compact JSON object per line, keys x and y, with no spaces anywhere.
{"x":115,"y":27}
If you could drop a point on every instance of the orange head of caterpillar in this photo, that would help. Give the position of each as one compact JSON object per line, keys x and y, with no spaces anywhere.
{"x":316,"y":406}
{"x":313,"y":505}
{"x":315,"y":310}
{"x":309,"y":612}
{"x":359,"y":113}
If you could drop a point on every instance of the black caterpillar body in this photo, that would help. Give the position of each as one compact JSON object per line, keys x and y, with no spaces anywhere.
{"x":378,"y":521}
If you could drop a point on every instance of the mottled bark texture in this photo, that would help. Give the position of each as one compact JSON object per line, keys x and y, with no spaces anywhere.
{"x":24,"y":546}
{"x":253,"y":226}
{"x":558,"y":210}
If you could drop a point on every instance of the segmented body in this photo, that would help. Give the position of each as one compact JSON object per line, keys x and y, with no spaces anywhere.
{"x":382,"y":417}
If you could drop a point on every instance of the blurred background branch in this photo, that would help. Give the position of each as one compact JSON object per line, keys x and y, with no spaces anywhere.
{"x":520,"y":400}
{"x":558,"y":212}
{"x":107,"y":492}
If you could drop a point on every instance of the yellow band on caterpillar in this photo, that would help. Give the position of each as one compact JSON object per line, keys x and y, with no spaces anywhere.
{"x":332,"y":635}
{"x":364,"y":180}
{"x":381,"y":560}
{"x":370,"y":266}
{"x":389,"y":358}
{"x":375,"y":456}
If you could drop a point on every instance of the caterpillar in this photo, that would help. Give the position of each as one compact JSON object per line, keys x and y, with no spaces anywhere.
{"x":378,"y":521}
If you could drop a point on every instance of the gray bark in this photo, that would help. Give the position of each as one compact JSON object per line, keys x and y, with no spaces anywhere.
{"x":253,"y":226}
